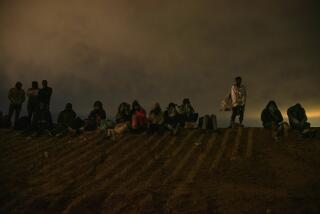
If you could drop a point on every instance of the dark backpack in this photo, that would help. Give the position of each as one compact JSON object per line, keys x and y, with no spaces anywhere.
{"x":208,"y":122}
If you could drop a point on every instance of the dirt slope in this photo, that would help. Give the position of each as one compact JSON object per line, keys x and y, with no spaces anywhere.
{"x":233,"y":171}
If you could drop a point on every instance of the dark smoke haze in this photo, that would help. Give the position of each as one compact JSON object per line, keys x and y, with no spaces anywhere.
{"x":152,"y":50}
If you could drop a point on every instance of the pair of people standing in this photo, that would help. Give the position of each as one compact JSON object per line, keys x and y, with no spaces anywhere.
{"x":38,"y":99}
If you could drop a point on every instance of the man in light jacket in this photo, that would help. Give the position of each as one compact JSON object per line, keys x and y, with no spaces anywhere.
{"x":238,"y":97}
{"x":17,"y":97}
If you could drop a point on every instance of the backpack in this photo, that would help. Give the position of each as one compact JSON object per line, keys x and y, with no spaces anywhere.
{"x":226,"y":103}
{"x":208,"y":122}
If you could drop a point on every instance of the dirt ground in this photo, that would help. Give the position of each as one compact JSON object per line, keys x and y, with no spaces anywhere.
{"x":232,"y":171}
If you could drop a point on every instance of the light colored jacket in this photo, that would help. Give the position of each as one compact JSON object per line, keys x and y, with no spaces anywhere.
{"x":16,"y":96}
{"x":238,"y":95}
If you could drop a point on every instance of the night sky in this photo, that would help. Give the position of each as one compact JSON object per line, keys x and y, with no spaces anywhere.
{"x":163,"y":50}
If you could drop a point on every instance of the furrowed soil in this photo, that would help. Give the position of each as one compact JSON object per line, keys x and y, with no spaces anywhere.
{"x":238,"y":170}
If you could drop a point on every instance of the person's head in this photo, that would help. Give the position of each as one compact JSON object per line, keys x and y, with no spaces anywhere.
{"x":44,"y":83}
{"x":35,"y":85}
{"x":186,"y":101}
{"x":171,"y":105}
{"x":238,"y":81}
{"x":156,"y":107}
{"x":97,"y":105}
{"x":18,"y":85}
{"x":124,"y":107}
{"x":272,"y":106}
{"x":135,"y":105}
{"x":68,"y":106}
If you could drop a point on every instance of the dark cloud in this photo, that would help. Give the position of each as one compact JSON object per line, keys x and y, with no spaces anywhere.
{"x":163,"y":50}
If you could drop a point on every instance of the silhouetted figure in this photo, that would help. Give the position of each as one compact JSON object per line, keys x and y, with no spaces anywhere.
{"x":299,"y":121}
{"x":33,"y":100}
{"x":238,"y":97}
{"x":187,"y":113}
{"x":172,"y":118}
{"x":17,"y":97}
{"x":95,"y":117}
{"x":272,"y":119}
{"x":45,"y":94}
{"x":124,"y":113}
{"x":42,"y":120}
{"x":66,"y":119}
{"x":139,"y":117}
{"x":156,"y":119}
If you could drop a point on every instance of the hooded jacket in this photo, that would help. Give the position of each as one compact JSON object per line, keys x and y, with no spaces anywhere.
{"x":238,"y":95}
{"x":268,"y":116}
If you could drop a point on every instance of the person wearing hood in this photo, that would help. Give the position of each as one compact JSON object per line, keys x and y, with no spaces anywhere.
{"x":238,"y":98}
{"x":139,"y":117}
{"x":95,"y":117}
{"x":299,"y":121}
{"x":16,"y":97}
{"x":124,"y":113}
{"x":172,"y":118}
{"x":272,"y":119}
{"x":156,"y":119}
{"x":187,"y":113}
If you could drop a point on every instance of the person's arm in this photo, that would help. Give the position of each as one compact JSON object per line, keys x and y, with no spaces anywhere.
{"x":233,"y":96}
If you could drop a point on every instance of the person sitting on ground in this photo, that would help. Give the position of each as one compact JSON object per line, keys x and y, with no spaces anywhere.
{"x":95,"y":117}
{"x":124,"y":113}
{"x":42,"y":120}
{"x":299,"y":121}
{"x":272,"y":119}
{"x":156,"y":119}
{"x":17,"y":97}
{"x":65,"y":120}
{"x":188,"y":115}
{"x":172,"y":118}
{"x":45,"y":94}
{"x":139,"y":118}
{"x":33,"y":100}
{"x":123,"y":121}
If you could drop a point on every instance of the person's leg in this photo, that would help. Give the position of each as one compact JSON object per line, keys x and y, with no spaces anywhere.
{"x":17,"y":114}
{"x":241,"y":114}
{"x":11,"y":111}
{"x":30,"y":111}
{"x":233,"y":116}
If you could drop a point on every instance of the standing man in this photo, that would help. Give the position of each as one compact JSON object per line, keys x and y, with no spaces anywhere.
{"x":33,"y":100}
{"x":238,"y":97}
{"x":17,"y":97}
{"x":45,"y":94}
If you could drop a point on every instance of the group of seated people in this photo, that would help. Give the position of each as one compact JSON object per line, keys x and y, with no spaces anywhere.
{"x":272,"y":119}
{"x":129,"y":117}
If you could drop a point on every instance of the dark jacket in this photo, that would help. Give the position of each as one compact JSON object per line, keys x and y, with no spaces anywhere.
{"x":97,"y":114}
{"x":297,"y":112}
{"x":16,"y":96}
{"x":45,"y":95}
{"x":268,"y":117}
{"x":66,"y":117}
